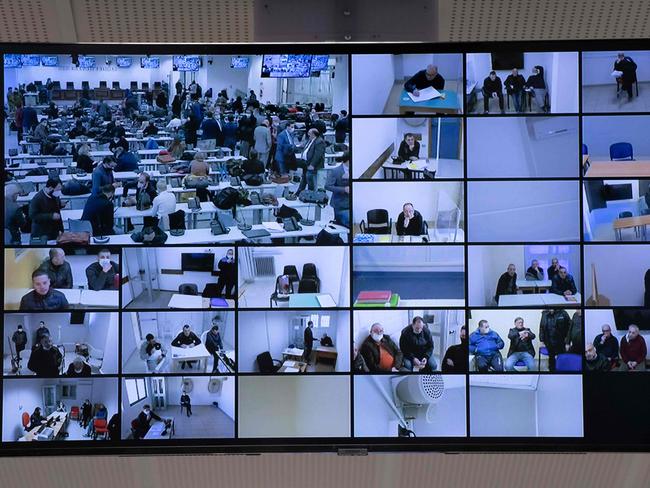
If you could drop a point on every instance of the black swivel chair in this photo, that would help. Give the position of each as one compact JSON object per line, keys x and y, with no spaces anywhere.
{"x":308,"y":285}
{"x":309,"y":271}
{"x":280,"y":295}
{"x":56,"y":85}
{"x":188,"y":289}
{"x":157,"y":85}
{"x":116,"y":85}
{"x":292,"y":272}
{"x":134,"y":85}
{"x":266,"y":364}
{"x":103,"y":84}
{"x":69,"y":85}
{"x":145,"y":86}
{"x":378,"y":222}
{"x":85,"y":85}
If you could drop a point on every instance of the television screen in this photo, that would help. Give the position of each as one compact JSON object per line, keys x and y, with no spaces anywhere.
{"x":624,"y":317}
{"x":31,"y":60}
{"x":87,"y":62}
{"x":123,"y":61}
{"x":319,"y":62}
{"x":286,"y":65}
{"x":507,"y":60}
{"x":186,"y":63}
{"x":197,"y":262}
{"x":13,"y":61}
{"x":239,"y":62}
{"x":49,"y":60}
{"x":151,"y":62}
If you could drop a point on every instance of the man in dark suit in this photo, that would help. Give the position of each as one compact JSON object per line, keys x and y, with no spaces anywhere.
{"x":507,"y":284}
{"x":341,"y":127}
{"x":313,"y":158}
{"x":309,"y":341}
{"x":99,"y":211}
{"x":423,"y":79}
{"x":143,"y":421}
{"x":45,"y":210}
{"x":338,"y":182}
{"x":284,"y":149}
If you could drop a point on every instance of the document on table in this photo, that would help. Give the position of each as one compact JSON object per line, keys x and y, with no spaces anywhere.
{"x":289,"y":364}
{"x":428,"y":93}
{"x":325,"y":301}
{"x":290,"y":370}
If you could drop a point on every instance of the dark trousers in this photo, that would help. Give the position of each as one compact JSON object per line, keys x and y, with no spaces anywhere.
{"x":307,"y":353}
{"x":516,"y":98}
{"x":188,"y":409}
{"x":553,"y":351}
{"x":226,"y":286}
{"x":308,"y":180}
{"x":19,"y":349}
{"x":488,"y":96}
{"x":484,"y":363}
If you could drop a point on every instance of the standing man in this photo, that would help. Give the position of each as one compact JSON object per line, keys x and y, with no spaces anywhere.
{"x":338,"y":182}
{"x":285,"y":149}
{"x":227,"y":275}
{"x":308,"y":338}
{"x":45,"y":210}
{"x":627,"y":67}
{"x":313,"y":158}
{"x":553,"y":329}
{"x":19,"y":338}
{"x":45,"y":361}
{"x":263,"y":141}
{"x":214,"y":344}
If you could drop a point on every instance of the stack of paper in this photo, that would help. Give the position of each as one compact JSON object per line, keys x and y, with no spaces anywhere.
{"x":291,"y":370}
{"x":428,"y":93}
{"x":273,"y":227}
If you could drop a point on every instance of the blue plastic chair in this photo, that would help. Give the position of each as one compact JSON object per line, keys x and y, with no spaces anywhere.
{"x":568,"y":362}
{"x":585,"y":149}
{"x":620,"y":151}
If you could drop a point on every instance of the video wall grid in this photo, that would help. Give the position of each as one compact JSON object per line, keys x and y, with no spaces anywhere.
{"x":476,"y":278}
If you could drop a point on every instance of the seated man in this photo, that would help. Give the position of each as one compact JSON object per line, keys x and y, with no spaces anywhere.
{"x":492,"y":88}
{"x":214,"y":344}
{"x":409,"y":148}
{"x":607,"y":344}
{"x":43,"y":296}
{"x":507,"y":284}
{"x":46,"y":359}
{"x":58,"y":269}
{"x":425,"y":78}
{"x":595,"y":361}
{"x":78,"y":368}
{"x":101,"y":274}
{"x":563,"y":283}
{"x":125,"y":160}
{"x":455,"y":360}
{"x":99,"y":210}
{"x":633,"y":350}
{"x":534,"y":272}
{"x":416,"y":344}
{"x":515,"y":87}
{"x":380,"y":352}
{"x":326,"y":341}
{"x":186,"y":338}
{"x":152,"y":352}
{"x":142,"y":423}
{"x":521,"y":346}
{"x":409,"y":221}
{"x":536,"y":86}
{"x":485,"y":345}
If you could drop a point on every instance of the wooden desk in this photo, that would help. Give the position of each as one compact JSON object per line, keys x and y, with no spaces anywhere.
{"x":612,"y":169}
{"x":325,"y":352}
{"x":293,"y":367}
{"x":628,"y":222}
{"x":61,"y":419}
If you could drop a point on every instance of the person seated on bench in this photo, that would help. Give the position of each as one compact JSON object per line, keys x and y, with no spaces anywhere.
{"x":521,"y":346}
{"x":595,"y":361}
{"x":416,"y":344}
{"x":58,"y":268}
{"x":485,"y":344}
{"x":633,"y":350}
{"x":563,"y":283}
{"x":492,"y":88}
{"x":409,"y":221}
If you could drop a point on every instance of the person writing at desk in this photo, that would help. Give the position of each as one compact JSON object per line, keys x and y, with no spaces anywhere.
{"x":45,"y":210}
{"x":409,"y":148}
{"x":409,"y":222}
{"x":492,"y":88}
{"x":214,"y":344}
{"x":563,"y":283}
{"x":142,"y":423}
{"x":58,"y":268}
{"x":101,"y":274}
{"x":534,"y":272}
{"x":187,"y":403}
{"x":416,"y":344}
{"x":186,"y":339}
{"x":152,"y":352}
{"x":46,"y":359}
{"x":43,"y":296}
{"x":425,"y":78}
{"x":515,"y":87}
{"x":36,"y":419}
{"x":507,"y":284}
{"x":379,"y":351}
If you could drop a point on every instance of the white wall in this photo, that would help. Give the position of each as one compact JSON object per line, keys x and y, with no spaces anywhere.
{"x":559,"y":406}
{"x":268,"y":87}
{"x":408,"y":258}
{"x":450,"y":66}
{"x":200,"y":394}
{"x":597,"y":66}
{"x":170,"y":258}
{"x":414,"y":125}
{"x":501,"y":412}
{"x":620,"y":272}
{"x":523,"y":211}
{"x":220,"y":75}
{"x":373,"y":76}
{"x":595,"y":319}
{"x":282,"y":406}
{"x":371,"y":138}
{"x":601,"y":132}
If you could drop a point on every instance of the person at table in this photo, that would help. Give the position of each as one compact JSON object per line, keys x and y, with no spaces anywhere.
{"x":379,"y":351}
{"x":14,"y":215}
{"x":58,"y":268}
{"x":41,"y":131}
{"x":285,"y":149}
{"x":633,"y":350}
{"x":45,"y":210}
{"x":409,"y":148}
{"x":78,"y":368}
{"x":104,"y":111}
{"x":416,"y":344}
{"x":150,"y":129}
{"x":125,"y":160}
{"x":30,"y":119}
{"x":199,"y":167}
{"x":595,"y":361}
{"x":99,"y":210}
{"x":521,"y":346}
{"x":486,"y":345}
{"x":36,"y":419}
{"x":313,"y":159}
{"x":142,"y":423}
{"x":227,"y":275}
{"x":51,"y":111}
{"x":515,"y":87}
{"x":409,"y":221}
{"x":152,"y":352}
{"x":553,"y":269}
{"x":425,"y":78}
{"x":492,"y":88}
{"x":607,"y":344}
{"x":186,"y":339}
{"x":455,"y":359}
{"x":253,"y":165}
{"x":164,"y":204}
{"x":118,"y":141}
{"x":326,"y":341}
{"x":45,"y":360}
{"x":627,"y":67}
{"x":84,"y":161}
{"x":101,"y":273}
{"x":177,"y":147}
{"x":43,"y":296}
{"x":536,"y":86}
{"x":563,"y":284}
{"x":19,"y":338}
{"x":103,"y":175}
{"x":573,"y":339}
{"x":187,"y":403}
{"x":338,"y":182}
{"x":144,"y":184}
{"x":553,"y":328}
{"x":230,"y":133}
{"x":534,"y":272}
{"x":78,"y":130}
{"x":507,"y":284}
{"x":214,"y":344}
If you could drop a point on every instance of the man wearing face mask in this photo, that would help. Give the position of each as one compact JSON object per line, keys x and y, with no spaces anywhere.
{"x":45,"y":360}
{"x":101,"y":274}
{"x":492,"y":88}
{"x":379,"y":351}
{"x":45,"y":210}
{"x":416,"y":344}
{"x":338,"y":182}
{"x":43,"y":296}
{"x":507,"y":284}
{"x":99,"y":210}
{"x":563,"y":284}
{"x":58,"y":268}
{"x":143,"y":421}
{"x":486,"y":344}
{"x":455,"y":360}
{"x":227,"y":275}
{"x":536,"y":86}
{"x":103,"y":175}
{"x":285,"y":149}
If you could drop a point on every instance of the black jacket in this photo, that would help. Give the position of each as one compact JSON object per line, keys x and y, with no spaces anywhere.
{"x":628,"y":68}
{"x":53,"y":300}
{"x":253,"y":167}
{"x":85,"y":163}
{"x":150,"y":130}
{"x":415,"y":227}
{"x":419,"y":81}
{"x":308,"y":338}
{"x":340,"y":129}
{"x":405,"y":153}
{"x":370,"y":352}
{"x":553,"y":328}
{"x":459,"y":354}
{"x":20,"y":339}
{"x":227,"y":270}
{"x":506,"y":285}
{"x":609,"y":348}
{"x":183,"y":340}
{"x":574,"y":335}
{"x":519,"y":345}
{"x":99,"y":211}
{"x":551,"y":272}
{"x":85,"y":371}
{"x":213,"y":343}
{"x":490,"y":87}
{"x":599,"y":363}
{"x":536,"y":81}
{"x":98,"y":280}
{"x":560,"y":285}
{"x":514,"y":84}
{"x":41,"y":209}
{"x":60,"y":276}
{"x":531,"y":274}
{"x":45,"y":363}
{"x":185,"y":400}
{"x":418,"y":346}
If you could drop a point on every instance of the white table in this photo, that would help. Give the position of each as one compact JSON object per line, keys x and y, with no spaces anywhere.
{"x":419,"y":166}
{"x":100,"y":154}
{"x":195,"y":353}
{"x":188,"y":301}
{"x":431,"y":302}
{"x":156,"y":429}
{"x":537,"y":299}
{"x":101,"y":298}
{"x":75,"y":296}
{"x":292,"y":352}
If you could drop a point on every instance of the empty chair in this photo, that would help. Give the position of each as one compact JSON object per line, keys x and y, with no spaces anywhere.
{"x":378,"y":222}
{"x":116,"y":85}
{"x":188,"y":289}
{"x":85,"y":85}
{"x":266,"y":364}
{"x":307,"y":285}
{"x":292,"y":272}
{"x":309,"y":272}
{"x":134,"y":85}
{"x":283,"y":288}
{"x":69,"y":85}
{"x":621,"y":151}
{"x":103,"y":84}
{"x":74,"y":413}
{"x":568,"y":362}
{"x":145,"y":85}
{"x":157,"y":85}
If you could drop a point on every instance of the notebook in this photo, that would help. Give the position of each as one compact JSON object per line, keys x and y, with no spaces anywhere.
{"x":393,"y":302}
{"x":218,"y":302}
{"x":291,"y":370}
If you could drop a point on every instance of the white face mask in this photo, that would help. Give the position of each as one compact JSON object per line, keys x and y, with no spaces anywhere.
{"x":57,"y":194}
{"x":104,"y":262}
{"x":377,"y":337}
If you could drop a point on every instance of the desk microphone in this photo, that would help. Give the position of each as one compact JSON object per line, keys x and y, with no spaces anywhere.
{"x":307,"y":221}
{"x":243,"y":225}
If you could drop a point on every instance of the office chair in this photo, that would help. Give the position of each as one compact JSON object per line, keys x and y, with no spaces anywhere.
{"x":266,"y":364}
{"x":188,"y":289}
{"x":625,"y":215}
{"x":568,"y":362}
{"x":134,"y":429}
{"x":281,"y":294}
{"x":378,"y":222}
{"x":134,"y":85}
{"x":100,"y":427}
{"x":292,"y":272}
{"x":309,"y":272}
{"x":85,"y":85}
{"x":307,"y":285}
{"x":81,"y":226}
{"x":69,"y":85}
{"x":24,"y":418}
{"x":116,"y":85}
{"x":56,"y":85}
{"x":621,"y":151}
{"x":177,"y":220}
{"x":145,"y":85}
{"x":103,"y":84}
{"x":157,"y":85}
{"x":74,"y":412}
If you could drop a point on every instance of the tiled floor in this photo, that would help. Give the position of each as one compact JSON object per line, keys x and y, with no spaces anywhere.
{"x":206,"y":422}
{"x":602,"y":98}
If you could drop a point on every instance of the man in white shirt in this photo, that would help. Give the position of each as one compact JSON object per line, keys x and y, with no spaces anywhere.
{"x":174,"y":124}
{"x":163,"y":204}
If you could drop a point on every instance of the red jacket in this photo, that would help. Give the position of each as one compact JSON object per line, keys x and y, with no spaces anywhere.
{"x":634,"y":350}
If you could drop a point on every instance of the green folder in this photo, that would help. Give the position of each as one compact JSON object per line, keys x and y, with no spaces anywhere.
{"x":392,"y":303}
